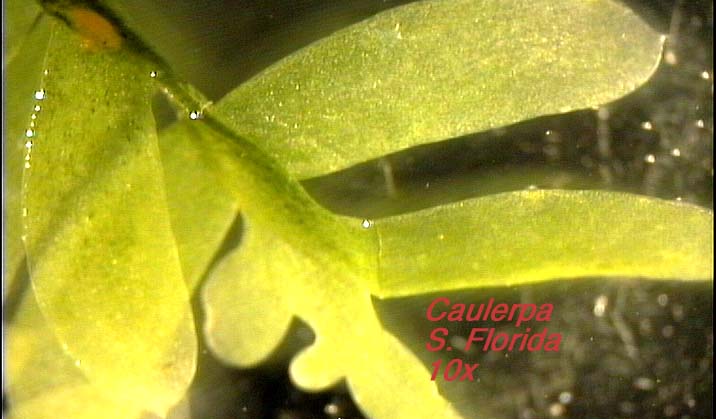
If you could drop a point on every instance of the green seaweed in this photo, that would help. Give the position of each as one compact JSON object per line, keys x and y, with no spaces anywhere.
{"x":121,"y":224}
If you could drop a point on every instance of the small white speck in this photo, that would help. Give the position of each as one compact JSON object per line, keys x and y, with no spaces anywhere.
{"x":40,"y":94}
{"x":331,"y":409}
{"x":700,"y":123}
{"x":646,"y":125}
{"x":600,"y":305}
{"x":644,"y":383}
{"x":565,"y":397}
{"x":29,"y":133}
{"x":194,"y":115}
{"x":676,"y":152}
{"x":37,"y":108}
{"x":705,"y":75}
{"x":366,"y":223}
{"x":152,"y":74}
{"x":650,"y":158}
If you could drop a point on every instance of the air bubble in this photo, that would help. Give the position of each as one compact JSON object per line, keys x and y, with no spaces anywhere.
{"x":676,"y":152}
{"x":194,"y":115}
{"x":40,"y":94}
{"x":705,"y":75}
{"x":37,"y":108}
{"x":650,"y":158}
{"x":646,"y":125}
{"x":565,"y":397}
{"x":331,"y":409}
{"x":366,"y":223}
{"x":29,"y":133}
{"x":153,"y":74}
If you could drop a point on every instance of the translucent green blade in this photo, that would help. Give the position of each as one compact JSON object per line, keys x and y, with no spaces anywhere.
{"x":433,"y":70}
{"x":43,"y":381}
{"x":101,"y":253}
{"x":532,"y":236}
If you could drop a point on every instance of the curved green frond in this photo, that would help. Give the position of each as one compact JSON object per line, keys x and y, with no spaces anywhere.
{"x":433,"y":70}
{"x":533,"y":236}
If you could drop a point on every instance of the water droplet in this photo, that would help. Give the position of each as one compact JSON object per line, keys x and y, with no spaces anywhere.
{"x":27,"y":165}
{"x":29,"y":133}
{"x":705,"y":75}
{"x":366,"y":223}
{"x":676,"y":152}
{"x":37,"y":108}
{"x":600,"y":305}
{"x":700,"y":123}
{"x":153,"y":74}
{"x":194,"y":115}
{"x":40,"y":94}
{"x":650,"y":158}
{"x":33,"y":116}
{"x":646,"y":125}
{"x":28,"y":144}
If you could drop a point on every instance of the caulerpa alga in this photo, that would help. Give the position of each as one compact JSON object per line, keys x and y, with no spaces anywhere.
{"x":120,"y":224}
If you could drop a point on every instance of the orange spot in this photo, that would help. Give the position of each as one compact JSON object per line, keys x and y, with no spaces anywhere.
{"x":97,"y":32}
